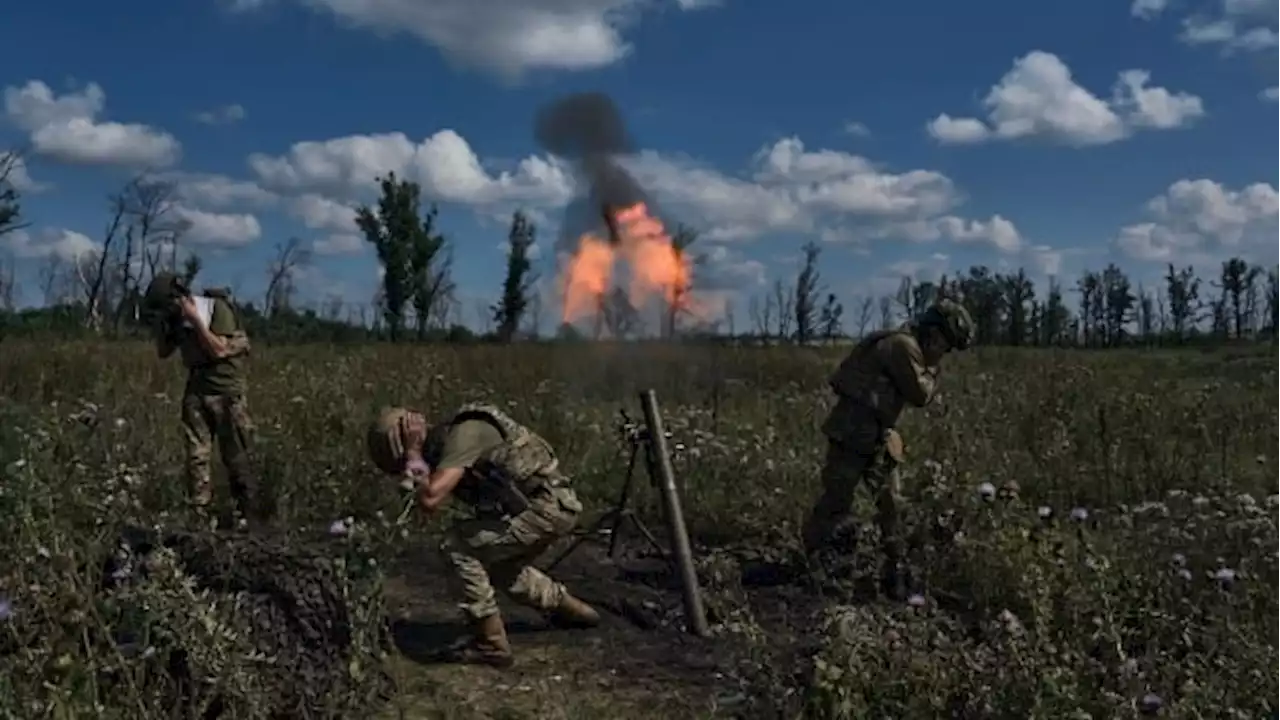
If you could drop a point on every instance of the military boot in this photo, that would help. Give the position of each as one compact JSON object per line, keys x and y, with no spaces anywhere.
{"x":572,"y":613}
{"x":488,"y":644}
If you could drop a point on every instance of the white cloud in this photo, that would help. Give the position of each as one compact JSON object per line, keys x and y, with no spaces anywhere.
{"x":66,"y":128}
{"x":56,"y":242}
{"x":218,"y":229}
{"x":1198,"y":219}
{"x":1270,"y":94}
{"x":339,"y":244}
{"x":857,"y":129}
{"x":504,"y":37}
{"x":1039,"y":98}
{"x":218,"y":191}
{"x":13,"y":170}
{"x":321,"y":213}
{"x":835,"y":195}
{"x":1147,"y":9}
{"x":1232,"y":25}
{"x":222,"y":115}
{"x":444,"y":164}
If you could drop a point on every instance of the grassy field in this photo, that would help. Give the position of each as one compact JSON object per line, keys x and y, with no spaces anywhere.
{"x":1096,"y":531}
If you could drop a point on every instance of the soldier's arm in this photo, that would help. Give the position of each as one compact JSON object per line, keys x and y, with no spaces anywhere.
{"x":459,"y":448}
{"x":913,"y":378}
{"x":221,"y":338}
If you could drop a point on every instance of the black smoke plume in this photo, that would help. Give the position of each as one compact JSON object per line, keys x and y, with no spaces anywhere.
{"x":587,"y":129}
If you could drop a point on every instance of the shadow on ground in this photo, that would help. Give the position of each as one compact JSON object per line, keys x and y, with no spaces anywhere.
{"x":638,"y":663}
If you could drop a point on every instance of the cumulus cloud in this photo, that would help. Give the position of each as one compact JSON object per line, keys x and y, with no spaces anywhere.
{"x":1232,"y":25}
{"x":1198,"y":219}
{"x":67,"y":128}
{"x":444,"y":164}
{"x":857,"y":129}
{"x":222,"y":115}
{"x":339,"y":244}
{"x":217,"y":230}
{"x":13,"y":171}
{"x":504,"y":37}
{"x":1039,"y":98}
{"x":1147,"y":9}
{"x":219,"y":191}
{"x":64,"y":244}
{"x":787,"y":188}
{"x":836,"y":195}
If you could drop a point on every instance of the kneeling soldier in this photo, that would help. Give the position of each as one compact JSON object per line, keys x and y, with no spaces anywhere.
{"x":522,"y":504}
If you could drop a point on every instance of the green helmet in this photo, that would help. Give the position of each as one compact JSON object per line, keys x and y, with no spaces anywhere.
{"x":953,"y":320}
{"x":165,"y":287}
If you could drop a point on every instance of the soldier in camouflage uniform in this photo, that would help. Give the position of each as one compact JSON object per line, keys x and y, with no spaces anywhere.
{"x":884,"y":372}
{"x":522,"y":503}
{"x":207,"y":333}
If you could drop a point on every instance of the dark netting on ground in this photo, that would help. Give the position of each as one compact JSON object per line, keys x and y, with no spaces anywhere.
{"x":252,"y":625}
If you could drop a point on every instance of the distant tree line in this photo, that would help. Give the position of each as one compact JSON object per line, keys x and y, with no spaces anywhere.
{"x":416,"y":300}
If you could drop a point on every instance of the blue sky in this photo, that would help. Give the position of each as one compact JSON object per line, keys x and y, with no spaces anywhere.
{"x":907,"y":137}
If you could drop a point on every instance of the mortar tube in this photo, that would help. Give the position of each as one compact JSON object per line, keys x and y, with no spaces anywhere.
{"x":695,"y":614}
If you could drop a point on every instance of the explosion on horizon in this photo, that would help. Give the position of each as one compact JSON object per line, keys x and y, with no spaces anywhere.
{"x":612,"y":230}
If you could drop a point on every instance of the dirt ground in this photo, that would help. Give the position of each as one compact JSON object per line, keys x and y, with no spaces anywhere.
{"x":638,"y":663}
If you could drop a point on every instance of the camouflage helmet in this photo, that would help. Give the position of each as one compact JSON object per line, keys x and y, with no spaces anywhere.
{"x":953,"y":320}
{"x":165,"y":287}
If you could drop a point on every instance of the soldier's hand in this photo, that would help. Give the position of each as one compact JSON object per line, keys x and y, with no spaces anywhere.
{"x":413,"y":428}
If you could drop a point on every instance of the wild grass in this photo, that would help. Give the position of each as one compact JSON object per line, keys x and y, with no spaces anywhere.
{"x":1098,"y":528}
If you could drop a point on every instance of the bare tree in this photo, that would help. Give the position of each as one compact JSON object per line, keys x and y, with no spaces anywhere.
{"x":281,"y":275}
{"x":93,"y":270}
{"x":783,"y":300}
{"x":10,"y":208}
{"x":8,"y":285}
{"x":866,"y":307}
{"x":761,"y":312}
{"x":55,"y":275}
{"x":886,"y":312}
{"x":533,"y":313}
{"x":152,"y":226}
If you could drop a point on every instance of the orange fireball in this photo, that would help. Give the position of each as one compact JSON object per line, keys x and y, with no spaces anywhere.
{"x":657,"y":268}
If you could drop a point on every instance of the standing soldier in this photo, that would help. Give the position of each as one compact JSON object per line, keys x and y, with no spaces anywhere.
{"x":884,"y":372}
{"x":522,"y":503}
{"x":207,"y":333}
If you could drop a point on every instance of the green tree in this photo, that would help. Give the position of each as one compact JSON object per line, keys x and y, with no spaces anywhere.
{"x":415,"y":270}
{"x":509,"y":310}
{"x":806,"y":294}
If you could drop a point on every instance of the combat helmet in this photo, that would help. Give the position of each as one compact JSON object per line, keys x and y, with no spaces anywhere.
{"x":953,"y":320}
{"x":165,"y":287}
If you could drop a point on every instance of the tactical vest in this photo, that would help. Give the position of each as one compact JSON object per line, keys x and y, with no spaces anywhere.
{"x":505,"y":475}
{"x":206,"y":376}
{"x":862,"y":381}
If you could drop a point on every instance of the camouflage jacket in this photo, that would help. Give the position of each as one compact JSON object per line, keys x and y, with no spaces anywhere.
{"x":880,"y":376}
{"x":523,"y":461}
{"x":207,"y":375}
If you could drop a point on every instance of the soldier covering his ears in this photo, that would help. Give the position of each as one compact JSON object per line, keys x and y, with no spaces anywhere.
{"x":522,"y":503}
{"x":884,"y":372}
{"x":206,"y":331}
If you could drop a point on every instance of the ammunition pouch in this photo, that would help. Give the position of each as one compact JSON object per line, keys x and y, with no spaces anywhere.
{"x":497,"y":495}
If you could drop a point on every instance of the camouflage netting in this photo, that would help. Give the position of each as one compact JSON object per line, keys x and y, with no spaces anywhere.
{"x":252,"y":626}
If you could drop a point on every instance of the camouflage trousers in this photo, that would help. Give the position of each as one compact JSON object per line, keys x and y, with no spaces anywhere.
{"x":223,"y":419}
{"x":844,"y":470}
{"x":487,"y":552}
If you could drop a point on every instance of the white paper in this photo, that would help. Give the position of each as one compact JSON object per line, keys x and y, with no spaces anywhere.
{"x":204,"y":308}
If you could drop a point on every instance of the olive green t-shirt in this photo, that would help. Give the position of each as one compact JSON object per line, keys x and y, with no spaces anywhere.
{"x":461,"y":444}
{"x":207,"y":376}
